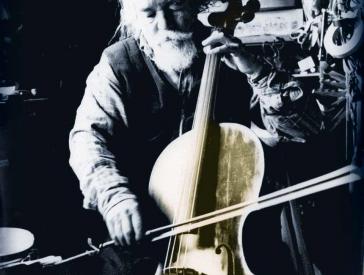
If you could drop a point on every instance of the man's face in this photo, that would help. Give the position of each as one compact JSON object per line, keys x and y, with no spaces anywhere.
{"x":155,"y":16}
{"x":166,"y":25}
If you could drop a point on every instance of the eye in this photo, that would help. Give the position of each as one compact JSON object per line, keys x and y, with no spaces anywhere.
{"x":177,"y":5}
{"x":149,"y":13}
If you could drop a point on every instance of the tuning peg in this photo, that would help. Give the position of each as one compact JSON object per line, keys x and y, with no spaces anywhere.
{"x":247,"y":16}
{"x":252,"y":6}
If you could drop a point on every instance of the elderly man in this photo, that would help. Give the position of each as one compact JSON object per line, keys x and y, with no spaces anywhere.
{"x":142,"y":94}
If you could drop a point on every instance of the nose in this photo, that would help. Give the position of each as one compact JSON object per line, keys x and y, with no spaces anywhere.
{"x":162,"y":20}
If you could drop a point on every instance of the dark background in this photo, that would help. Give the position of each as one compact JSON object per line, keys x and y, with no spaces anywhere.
{"x":50,"y":46}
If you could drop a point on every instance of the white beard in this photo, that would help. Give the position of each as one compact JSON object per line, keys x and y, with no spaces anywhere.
{"x":172,"y":51}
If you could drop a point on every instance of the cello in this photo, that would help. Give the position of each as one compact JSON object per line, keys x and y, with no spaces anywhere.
{"x":224,"y":166}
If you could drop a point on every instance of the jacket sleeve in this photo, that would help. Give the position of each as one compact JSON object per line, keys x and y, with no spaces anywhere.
{"x":99,"y":117}
{"x":288,"y":110}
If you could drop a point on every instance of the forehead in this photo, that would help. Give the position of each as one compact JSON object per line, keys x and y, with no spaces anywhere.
{"x":151,"y":4}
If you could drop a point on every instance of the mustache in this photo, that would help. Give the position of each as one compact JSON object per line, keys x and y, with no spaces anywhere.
{"x":176,"y":36}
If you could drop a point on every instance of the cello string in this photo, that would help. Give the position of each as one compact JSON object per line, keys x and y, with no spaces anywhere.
{"x":172,"y":247}
{"x":203,"y":127}
{"x":206,"y":92}
{"x":191,"y":178}
{"x":172,"y":240}
{"x":182,"y":199}
{"x":200,"y":128}
{"x":175,"y":248}
{"x":198,"y":145}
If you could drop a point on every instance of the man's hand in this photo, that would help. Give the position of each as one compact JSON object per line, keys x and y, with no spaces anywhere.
{"x":233,"y":53}
{"x":311,"y":8}
{"x":124,"y":222}
{"x":332,"y":89}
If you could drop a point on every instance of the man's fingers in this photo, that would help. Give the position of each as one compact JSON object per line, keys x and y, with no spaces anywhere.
{"x":121,"y":237}
{"x":219,"y":43}
{"x":333,"y":84}
{"x":219,"y":38}
{"x":137,"y":224}
{"x":124,"y":222}
{"x":229,"y":63}
{"x":230,"y":47}
{"x":219,"y":49}
{"x":116,"y":232}
{"x":337,"y":76}
{"x":215,"y":37}
{"x":127,"y":229}
{"x":111,"y":229}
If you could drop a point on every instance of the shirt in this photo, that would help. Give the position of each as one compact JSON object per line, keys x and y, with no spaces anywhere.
{"x":130,"y":112}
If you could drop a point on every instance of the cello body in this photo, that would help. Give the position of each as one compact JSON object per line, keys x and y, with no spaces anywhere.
{"x":232,"y":172}
{"x":210,"y":168}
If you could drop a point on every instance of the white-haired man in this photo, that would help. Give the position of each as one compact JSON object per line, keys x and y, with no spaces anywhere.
{"x":142,"y":94}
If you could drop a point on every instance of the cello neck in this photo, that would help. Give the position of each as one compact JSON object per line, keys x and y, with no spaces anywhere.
{"x":206,"y":95}
{"x":201,"y":122}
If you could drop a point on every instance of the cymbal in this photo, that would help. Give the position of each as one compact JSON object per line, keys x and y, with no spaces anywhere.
{"x":14,"y":241}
